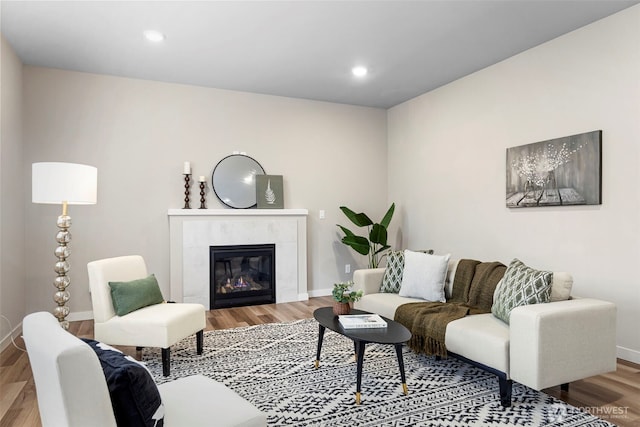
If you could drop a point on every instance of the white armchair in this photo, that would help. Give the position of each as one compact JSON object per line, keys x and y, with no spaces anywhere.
{"x":158,"y":325}
{"x":72,"y":389}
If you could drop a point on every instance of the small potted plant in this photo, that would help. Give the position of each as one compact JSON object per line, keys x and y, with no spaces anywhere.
{"x":343,"y":295}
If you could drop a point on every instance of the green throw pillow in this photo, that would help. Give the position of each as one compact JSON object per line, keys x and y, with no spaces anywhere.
{"x":130,"y":296}
{"x":521,"y":285}
{"x":392,"y":278}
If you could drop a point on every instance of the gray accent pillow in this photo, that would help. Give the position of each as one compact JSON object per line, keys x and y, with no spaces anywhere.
{"x":521,"y":285}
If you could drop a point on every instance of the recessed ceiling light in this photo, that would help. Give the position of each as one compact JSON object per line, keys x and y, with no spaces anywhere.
{"x":154,"y":36}
{"x":359,"y":71}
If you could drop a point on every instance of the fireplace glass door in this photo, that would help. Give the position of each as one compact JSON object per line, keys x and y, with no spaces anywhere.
{"x":242,"y":275}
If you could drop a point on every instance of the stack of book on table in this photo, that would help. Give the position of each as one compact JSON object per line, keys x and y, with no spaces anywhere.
{"x":357,"y":321}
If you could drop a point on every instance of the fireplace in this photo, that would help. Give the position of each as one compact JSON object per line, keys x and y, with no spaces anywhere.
{"x":193,"y":231}
{"x":242,"y":275}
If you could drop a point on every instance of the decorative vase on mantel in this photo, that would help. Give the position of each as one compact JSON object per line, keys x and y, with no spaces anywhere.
{"x":340,"y":308}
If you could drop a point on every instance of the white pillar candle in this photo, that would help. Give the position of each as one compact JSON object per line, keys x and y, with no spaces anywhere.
{"x":202,"y":178}
{"x":187,"y":168}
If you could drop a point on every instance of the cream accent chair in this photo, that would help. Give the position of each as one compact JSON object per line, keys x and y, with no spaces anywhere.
{"x":159,"y":325}
{"x":72,"y":390}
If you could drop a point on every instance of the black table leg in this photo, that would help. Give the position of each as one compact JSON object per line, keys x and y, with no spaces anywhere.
{"x":199,"y":341}
{"x":360,"y":358}
{"x":320,"y":336}
{"x":401,"y":365}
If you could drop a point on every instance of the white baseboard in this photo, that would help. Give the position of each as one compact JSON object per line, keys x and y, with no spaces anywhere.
{"x":320,"y":292}
{"x":80,"y":315}
{"x":6,"y":340}
{"x":629,"y":355}
{"x":303,"y":297}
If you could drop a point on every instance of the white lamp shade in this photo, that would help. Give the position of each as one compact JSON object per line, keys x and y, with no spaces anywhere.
{"x":56,"y":183}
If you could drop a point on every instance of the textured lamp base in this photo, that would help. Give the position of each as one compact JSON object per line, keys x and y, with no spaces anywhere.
{"x":61,"y":296}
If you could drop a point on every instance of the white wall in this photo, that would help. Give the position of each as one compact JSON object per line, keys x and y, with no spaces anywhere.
{"x":12,"y":293}
{"x":447,"y":163}
{"x":138,"y":134}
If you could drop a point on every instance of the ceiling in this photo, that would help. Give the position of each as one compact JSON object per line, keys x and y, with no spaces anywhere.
{"x":300,"y":49}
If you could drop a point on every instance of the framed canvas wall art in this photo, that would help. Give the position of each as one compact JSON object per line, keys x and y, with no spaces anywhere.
{"x":558,"y":172}
{"x":269,"y":192}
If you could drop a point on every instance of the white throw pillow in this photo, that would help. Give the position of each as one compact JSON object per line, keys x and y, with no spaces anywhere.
{"x":424,"y":276}
{"x":561,"y":284}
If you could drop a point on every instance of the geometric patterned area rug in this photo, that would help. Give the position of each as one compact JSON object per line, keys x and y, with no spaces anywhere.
{"x":272,"y":366}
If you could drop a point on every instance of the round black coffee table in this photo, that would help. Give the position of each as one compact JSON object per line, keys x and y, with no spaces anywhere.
{"x":394,"y":334}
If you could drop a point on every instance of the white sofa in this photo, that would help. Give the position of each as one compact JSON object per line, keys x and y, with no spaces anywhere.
{"x":544,"y":345}
{"x":72,"y":390}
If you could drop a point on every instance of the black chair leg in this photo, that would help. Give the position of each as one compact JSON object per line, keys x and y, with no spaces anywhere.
{"x":199,"y":341}
{"x":564,"y":387}
{"x":166,"y":360}
{"x":505,"y":391}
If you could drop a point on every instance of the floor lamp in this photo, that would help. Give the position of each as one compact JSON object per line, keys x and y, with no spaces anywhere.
{"x":63,"y":184}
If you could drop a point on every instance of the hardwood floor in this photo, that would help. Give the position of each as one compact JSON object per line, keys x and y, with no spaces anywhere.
{"x":614,"y":397}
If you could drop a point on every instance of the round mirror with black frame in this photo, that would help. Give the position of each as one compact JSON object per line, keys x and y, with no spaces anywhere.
{"x":234,"y":181}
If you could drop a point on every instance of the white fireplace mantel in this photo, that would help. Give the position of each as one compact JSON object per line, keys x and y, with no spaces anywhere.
{"x":193,"y":231}
{"x":238,"y":212}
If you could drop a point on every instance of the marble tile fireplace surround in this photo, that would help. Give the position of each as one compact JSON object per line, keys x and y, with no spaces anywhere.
{"x":193,"y":231}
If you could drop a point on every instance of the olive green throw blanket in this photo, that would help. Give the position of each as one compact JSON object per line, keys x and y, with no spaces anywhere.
{"x":472,"y":293}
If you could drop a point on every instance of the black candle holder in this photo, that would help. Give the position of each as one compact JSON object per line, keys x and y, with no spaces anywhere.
{"x":202,"y":200}
{"x":187,"y":177}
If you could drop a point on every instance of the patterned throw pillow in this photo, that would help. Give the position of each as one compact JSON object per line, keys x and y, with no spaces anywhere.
{"x":393,"y":274}
{"x":521,"y":285}
{"x":134,"y":395}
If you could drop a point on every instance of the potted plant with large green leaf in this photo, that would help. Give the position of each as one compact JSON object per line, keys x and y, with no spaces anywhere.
{"x":376,"y":244}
